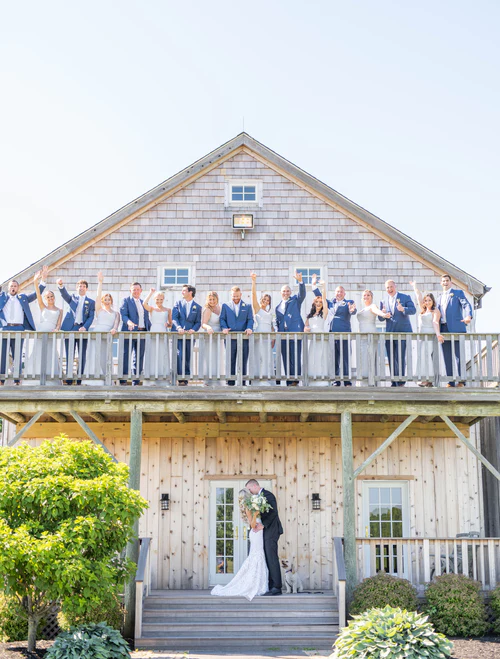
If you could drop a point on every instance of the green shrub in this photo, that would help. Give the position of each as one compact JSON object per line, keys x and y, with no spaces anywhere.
{"x":13,"y":619}
{"x":455,"y":606}
{"x":89,"y":642}
{"x":107,"y":609}
{"x":390,"y":634}
{"x":495,"y":608}
{"x":384,"y":590}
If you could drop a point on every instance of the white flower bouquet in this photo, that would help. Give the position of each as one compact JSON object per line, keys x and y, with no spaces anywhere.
{"x":257,"y":503}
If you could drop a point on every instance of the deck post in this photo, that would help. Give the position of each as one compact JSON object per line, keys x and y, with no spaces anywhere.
{"x":134,"y":483}
{"x":349,"y":504}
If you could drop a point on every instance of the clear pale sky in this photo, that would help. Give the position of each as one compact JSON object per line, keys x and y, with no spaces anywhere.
{"x":394,"y":104}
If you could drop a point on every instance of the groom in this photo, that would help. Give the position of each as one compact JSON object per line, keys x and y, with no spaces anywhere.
{"x":272,"y":531}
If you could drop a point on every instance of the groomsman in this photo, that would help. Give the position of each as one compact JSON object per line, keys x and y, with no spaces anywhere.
{"x":396,"y":309}
{"x":343,"y":310}
{"x":78,"y":318}
{"x":237,"y":317}
{"x":135,"y":319}
{"x":456,"y":314}
{"x":186,"y":317}
{"x":288,"y":319}
{"x":15,"y":316}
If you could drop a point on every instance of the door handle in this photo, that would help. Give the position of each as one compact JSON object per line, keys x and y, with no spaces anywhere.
{"x":236,"y":529}
{"x":245,"y":532}
{"x":367,"y":535}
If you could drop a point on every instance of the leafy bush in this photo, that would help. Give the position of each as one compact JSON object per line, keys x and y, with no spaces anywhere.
{"x":89,"y":642}
{"x":107,"y":608}
{"x":455,"y":606}
{"x":384,"y":590}
{"x":495,"y":607}
{"x":390,"y":634}
{"x":13,"y":620}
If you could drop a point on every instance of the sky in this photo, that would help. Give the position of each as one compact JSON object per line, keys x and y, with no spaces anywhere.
{"x":393,"y":104}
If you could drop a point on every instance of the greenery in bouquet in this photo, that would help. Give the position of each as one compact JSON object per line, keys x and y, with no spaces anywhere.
{"x":257,"y":503}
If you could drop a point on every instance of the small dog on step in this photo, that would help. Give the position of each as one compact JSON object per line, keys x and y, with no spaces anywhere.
{"x":292,"y":579}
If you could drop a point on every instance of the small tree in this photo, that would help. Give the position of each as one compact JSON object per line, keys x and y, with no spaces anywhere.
{"x":65,"y":513}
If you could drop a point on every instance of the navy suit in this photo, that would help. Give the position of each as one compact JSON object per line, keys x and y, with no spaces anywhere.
{"x":457,"y":309}
{"x":341,"y":322}
{"x":398,"y":322}
{"x":291,"y":321}
{"x":237,"y":323}
{"x":69,"y":324}
{"x":128,"y":311}
{"x":181,"y":321}
{"x":27,"y":324}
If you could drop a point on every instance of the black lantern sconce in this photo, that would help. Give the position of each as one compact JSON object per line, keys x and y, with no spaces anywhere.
{"x":316,"y":501}
{"x":165,"y":502}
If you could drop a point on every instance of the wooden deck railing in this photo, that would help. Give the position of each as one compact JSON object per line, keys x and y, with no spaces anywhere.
{"x":142,"y":582}
{"x":421,"y":559}
{"x":319,"y":358}
{"x":340,"y":580}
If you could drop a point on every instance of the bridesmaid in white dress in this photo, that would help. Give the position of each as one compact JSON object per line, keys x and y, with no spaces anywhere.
{"x":318,"y":347}
{"x":427,"y":323}
{"x":367,"y":320}
{"x":263,"y":323}
{"x":161,"y":322}
{"x":211,"y":348}
{"x":50,"y":321}
{"x":106,"y":320}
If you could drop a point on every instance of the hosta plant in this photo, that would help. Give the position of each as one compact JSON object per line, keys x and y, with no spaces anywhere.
{"x":391,"y":634}
{"x":89,"y":642}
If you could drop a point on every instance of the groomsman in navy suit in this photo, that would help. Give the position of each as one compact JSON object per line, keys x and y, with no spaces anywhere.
{"x":396,"y":311}
{"x":288,"y":319}
{"x":186,"y":317}
{"x":343,"y":310}
{"x":15,"y":316}
{"x":135,"y":319}
{"x":456,"y":314}
{"x":78,"y":318}
{"x":237,"y":317}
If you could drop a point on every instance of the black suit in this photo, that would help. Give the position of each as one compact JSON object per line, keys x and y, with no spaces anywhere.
{"x":272,"y":532}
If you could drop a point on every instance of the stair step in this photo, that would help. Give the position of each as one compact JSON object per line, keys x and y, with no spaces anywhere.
{"x":238,"y":646}
{"x":233,"y":628}
{"x":199,"y":614}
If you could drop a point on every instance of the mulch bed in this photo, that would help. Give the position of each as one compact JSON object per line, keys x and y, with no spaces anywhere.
{"x":19,"y":650}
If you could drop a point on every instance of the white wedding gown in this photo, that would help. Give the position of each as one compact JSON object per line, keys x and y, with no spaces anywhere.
{"x":253,"y":576}
{"x":318,"y":352}
{"x":263,"y":353}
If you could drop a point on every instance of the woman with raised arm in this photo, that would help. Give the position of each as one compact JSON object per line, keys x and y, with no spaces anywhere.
{"x":211,"y":347}
{"x":106,"y":320}
{"x":367,"y":320}
{"x":316,"y":323}
{"x":161,"y":322}
{"x":428,"y":322}
{"x":263,"y":345}
{"x":253,"y":576}
{"x":50,"y":321}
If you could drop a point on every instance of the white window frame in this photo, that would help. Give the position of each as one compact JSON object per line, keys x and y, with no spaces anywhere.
{"x":175,"y":266}
{"x":231,"y":183}
{"x":323,"y":272}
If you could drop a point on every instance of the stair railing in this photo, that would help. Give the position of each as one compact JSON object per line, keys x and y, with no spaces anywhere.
{"x":341,"y":581}
{"x":142,"y":582}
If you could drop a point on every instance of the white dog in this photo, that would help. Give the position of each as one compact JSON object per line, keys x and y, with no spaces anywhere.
{"x":292,"y":579}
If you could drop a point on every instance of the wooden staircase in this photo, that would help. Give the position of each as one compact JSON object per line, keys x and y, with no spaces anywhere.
{"x":189,"y":621}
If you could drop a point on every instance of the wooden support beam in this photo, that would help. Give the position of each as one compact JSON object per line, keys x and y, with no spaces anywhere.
{"x":222,"y":417}
{"x":19,"y":434}
{"x":100,"y":418}
{"x":349,"y":504}
{"x":384,"y":445}
{"x":10,"y":418}
{"x":57,"y":416}
{"x":132,"y":551}
{"x":90,"y":433}
{"x":180,"y":416}
{"x":263,"y":417}
{"x":472,"y":448}
{"x":303,"y":417}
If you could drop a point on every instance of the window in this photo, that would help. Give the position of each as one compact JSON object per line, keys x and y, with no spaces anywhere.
{"x":175,"y":275}
{"x":308,"y":271}
{"x":243,"y":193}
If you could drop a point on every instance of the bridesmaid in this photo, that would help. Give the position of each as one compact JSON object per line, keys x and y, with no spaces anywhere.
{"x":211,"y":349}
{"x":106,"y":320}
{"x":318,"y":349}
{"x":161,"y":322}
{"x":428,"y":322}
{"x":263,"y":347}
{"x":50,"y":321}
{"x":367,"y":320}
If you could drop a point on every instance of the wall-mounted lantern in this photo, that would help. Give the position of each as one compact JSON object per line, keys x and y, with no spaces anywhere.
{"x":164,"y":502}
{"x":316,"y":501}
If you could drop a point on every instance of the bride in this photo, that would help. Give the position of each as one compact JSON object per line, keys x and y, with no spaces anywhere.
{"x":253,"y":576}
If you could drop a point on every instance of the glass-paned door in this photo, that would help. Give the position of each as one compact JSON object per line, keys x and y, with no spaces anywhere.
{"x":385,"y":515}
{"x":228,"y":532}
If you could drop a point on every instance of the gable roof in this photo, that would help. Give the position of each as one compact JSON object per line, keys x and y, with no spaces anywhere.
{"x":244,"y":142}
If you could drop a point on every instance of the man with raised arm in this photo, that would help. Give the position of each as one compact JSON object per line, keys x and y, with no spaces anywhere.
{"x":288,"y":319}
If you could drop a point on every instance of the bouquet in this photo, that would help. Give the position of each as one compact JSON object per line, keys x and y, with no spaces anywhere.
{"x":257,"y":503}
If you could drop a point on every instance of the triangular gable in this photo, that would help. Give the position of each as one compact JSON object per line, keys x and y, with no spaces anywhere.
{"x":244,"y":142}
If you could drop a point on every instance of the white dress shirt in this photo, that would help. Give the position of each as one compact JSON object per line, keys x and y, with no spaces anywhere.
{"x":140,"y":313}
{"x":13,"y":311}
{"x":187,"y":306}
{"x":236,"y":308}
{"x":392,"y":302}
{"x":282,"y":306}
{"x":444,"y":304}
{"x":79,"y":310}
